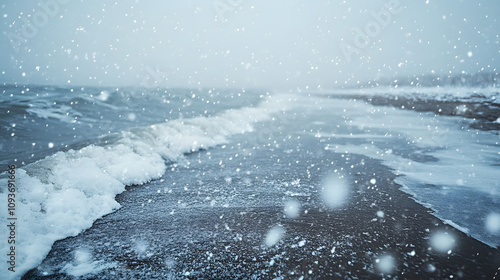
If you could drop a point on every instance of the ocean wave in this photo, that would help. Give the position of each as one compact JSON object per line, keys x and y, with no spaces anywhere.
{"x":38,"y":121}
{"x":63,"y":194}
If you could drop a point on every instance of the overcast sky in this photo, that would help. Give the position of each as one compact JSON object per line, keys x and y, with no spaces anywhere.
{"x":282,"y":44}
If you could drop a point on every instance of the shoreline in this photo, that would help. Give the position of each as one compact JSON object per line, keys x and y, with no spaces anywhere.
{"x":185,"y":237}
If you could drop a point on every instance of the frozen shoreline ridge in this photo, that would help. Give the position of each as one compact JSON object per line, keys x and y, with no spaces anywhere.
{"x":480,"y":104}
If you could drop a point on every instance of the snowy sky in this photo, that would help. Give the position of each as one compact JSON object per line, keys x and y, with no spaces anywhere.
{"x":281,"y":44}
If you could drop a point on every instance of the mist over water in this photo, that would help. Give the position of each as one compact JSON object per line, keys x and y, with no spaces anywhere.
{"x":221,"y":43}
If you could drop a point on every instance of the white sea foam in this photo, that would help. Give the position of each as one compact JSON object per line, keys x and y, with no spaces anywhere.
{"x":63,"y":194}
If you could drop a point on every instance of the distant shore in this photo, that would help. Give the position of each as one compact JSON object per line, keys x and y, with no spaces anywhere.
{"x":485,"y":114}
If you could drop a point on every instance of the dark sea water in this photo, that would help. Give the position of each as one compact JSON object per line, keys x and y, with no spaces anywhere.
{"x":37,"y":121}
